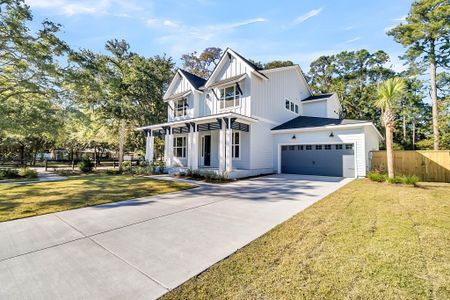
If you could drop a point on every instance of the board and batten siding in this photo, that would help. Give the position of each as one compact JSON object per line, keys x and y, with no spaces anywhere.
{"x":269,"y":96}
{"x":347,"y":136}
{"x":227,"y":70}
{"x":261,"y":145}
{"x":182,"y":85}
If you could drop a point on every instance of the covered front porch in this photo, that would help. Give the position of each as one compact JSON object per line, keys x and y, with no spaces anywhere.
{"x":217,"y":143}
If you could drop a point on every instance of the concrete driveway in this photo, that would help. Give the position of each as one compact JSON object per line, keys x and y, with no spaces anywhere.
{"x":140,"y":249}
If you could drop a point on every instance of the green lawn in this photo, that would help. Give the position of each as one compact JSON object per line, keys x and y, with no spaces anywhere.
{"x":366,"y":241}
{"x":24,"y":200}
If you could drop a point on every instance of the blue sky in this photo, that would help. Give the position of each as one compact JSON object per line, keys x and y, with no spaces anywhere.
{"x":299,"y":30}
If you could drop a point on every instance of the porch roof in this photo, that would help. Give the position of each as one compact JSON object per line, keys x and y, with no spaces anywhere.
{"x":199,"y":120}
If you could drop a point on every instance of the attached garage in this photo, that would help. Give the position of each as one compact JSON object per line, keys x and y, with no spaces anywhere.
{"x":324,"y":146}
{"x":319,"y":159}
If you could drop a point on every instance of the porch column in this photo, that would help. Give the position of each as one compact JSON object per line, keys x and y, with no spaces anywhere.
{"x":222,"y":134}
{"x":228,"y":147}
{"x":149,"y":146}
{"x":168,"y":147}
{"x":189,"y":149}
{"x":194,"y":148}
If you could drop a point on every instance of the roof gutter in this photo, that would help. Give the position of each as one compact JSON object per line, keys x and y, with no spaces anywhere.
{"x":327,"y":127}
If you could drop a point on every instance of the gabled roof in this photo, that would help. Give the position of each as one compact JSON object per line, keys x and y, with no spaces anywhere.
{"x":231,"y":52}
{"x":318,"y":97}
{"x":306,"y":122}
{"x":193,"y":79}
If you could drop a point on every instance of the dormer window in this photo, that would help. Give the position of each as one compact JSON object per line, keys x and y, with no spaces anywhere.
{"x":180,"y":107}
{"x":229,"y":97}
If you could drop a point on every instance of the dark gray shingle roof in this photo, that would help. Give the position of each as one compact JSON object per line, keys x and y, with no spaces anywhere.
{"x":317,"y":97}
{"x":305,"y":122}
{"x":195,"y":80}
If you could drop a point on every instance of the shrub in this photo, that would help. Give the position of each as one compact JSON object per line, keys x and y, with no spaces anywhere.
{"x":27,"y":173}
{"x":158,"y":166}
{"x":395,"y":180}
{"x":126,"y":166}
{"x":113,"y":172}
{"x":140,"y":170}
{"x":399,"y":179}
{"x":213,"y":177}
{"x":8,"y":173}
{"x":86,"y":164}
{"x":377,"y":176}
{"x":409,"y":179}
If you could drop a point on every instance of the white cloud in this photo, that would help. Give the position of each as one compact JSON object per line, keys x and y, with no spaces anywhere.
{"x":352,"y":40}
{"x":185,"y":38}
{"x":400,"y":19}
{"x":306,"y":16}
{"x":84,"y":7}
{"x":347,"y":28}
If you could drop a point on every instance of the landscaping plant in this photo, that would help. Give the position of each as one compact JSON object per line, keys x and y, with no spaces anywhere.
{"x":86,"y":164}
{"x":389,"y":94}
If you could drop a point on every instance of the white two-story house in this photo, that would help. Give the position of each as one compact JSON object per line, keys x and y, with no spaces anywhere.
{"x":246,"y":121}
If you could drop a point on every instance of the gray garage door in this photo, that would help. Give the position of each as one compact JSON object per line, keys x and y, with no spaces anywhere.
{"x":324,"y":160}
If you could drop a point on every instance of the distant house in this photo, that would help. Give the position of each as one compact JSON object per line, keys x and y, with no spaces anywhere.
{"x":247,"y":121}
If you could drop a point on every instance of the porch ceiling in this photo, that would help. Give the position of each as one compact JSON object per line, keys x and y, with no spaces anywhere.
{"x":201,"y":120}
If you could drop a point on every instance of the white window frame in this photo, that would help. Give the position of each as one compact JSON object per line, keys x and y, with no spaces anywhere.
{"x":236,"y":97}
{"x":234,"y":144}
{"x":183,"y":146}
{"x":180,"y":110}
{"x":291,"y":106}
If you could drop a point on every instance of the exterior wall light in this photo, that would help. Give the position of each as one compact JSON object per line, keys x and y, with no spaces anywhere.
{"x":294,"y":137}
{"x":331,"y":134}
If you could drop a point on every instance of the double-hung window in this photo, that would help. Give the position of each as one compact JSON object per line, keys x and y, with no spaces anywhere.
{"x":179,"y":146}
{"x":236,"y":145}
{"x":229,"y":97}
{"x":180,"y":108}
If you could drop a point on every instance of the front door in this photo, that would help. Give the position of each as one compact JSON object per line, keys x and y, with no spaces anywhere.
{"x":207,"y":150}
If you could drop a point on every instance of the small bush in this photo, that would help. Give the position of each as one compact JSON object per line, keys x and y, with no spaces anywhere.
{"x":395,"y":180}
{"x":158,"y":166}
{"x":86,"y":164}
{"x":126,"y":167}
{"x":27,"y":173}
{"x":409,"y":179}
{"x":140,"y":170}
{"x":377,"y":176}
{"x":9,"y":173}
{"x":399,"y":179}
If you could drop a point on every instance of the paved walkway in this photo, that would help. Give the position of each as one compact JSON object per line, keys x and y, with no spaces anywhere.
{"x":142,"y":248}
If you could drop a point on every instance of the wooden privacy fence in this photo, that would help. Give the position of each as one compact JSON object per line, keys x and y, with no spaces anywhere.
{"x":428,"y":165}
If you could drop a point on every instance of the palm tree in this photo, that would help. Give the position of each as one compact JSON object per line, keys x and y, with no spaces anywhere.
{"x":389,"y":95}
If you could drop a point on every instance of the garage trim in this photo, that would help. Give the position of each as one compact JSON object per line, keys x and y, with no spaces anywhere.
{"x":318,"y":143}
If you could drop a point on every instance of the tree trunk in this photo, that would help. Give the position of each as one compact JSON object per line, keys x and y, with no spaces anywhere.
{"x":121,"y":142}
{"x":404,"y":129}
{"x":389,"y":151}
{"x":434,"y":103}
{"x":414,"y":134}
{"x":22,"y":154}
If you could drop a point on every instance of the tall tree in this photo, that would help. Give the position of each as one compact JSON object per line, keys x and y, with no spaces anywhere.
{"x":30,"y":79}
{"x":426,"y":34}
{"x":202,"y":64}
{"x":354,"y":76}
{"x":389,"y":94}
{"x":124,"y":86}
{"x":28,"y":61}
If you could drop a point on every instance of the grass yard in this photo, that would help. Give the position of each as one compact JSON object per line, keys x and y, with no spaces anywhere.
{"x":25,"y":200}
{"x":366,"y":241}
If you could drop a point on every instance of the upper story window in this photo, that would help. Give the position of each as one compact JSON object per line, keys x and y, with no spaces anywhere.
{"x":291,"y":106}
{"x":180,"y":108}
{"x":229,"y":97}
